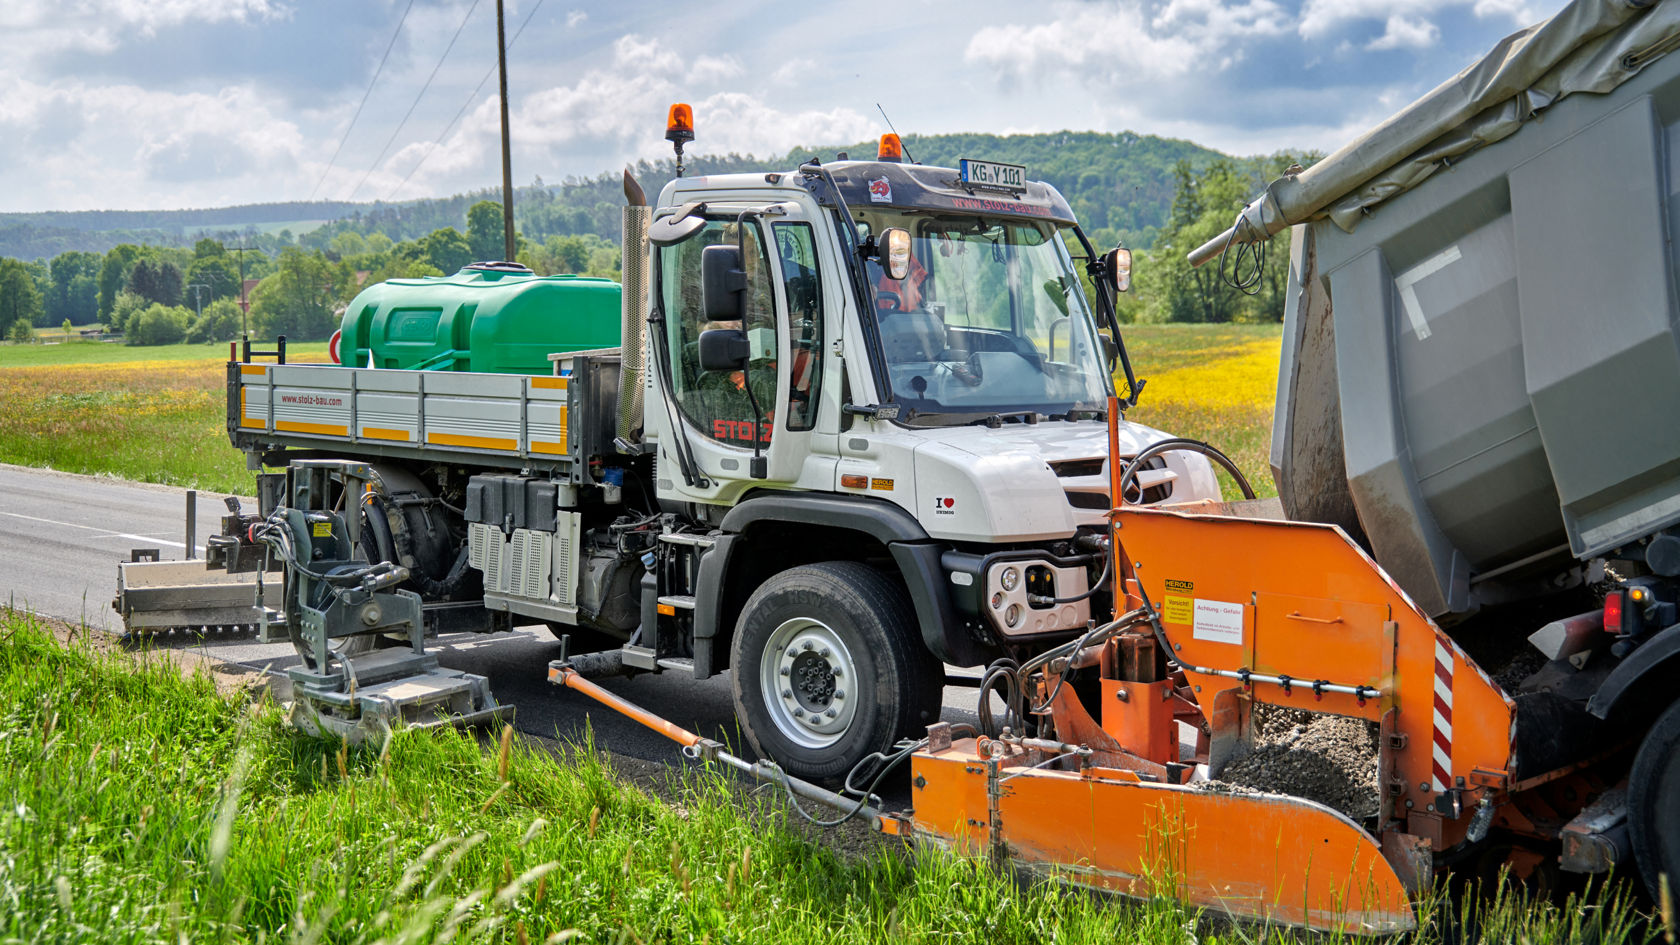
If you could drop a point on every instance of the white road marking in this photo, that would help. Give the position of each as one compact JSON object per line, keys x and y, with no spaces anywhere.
{"x":105,"y":533}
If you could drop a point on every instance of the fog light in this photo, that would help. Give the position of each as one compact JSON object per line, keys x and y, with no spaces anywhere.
{"x":1011,"y":579}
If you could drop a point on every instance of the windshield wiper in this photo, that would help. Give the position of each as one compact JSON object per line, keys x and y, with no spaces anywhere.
{"x":996,"y":420}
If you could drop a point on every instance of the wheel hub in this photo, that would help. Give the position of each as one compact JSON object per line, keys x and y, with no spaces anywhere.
{"x":804,"y":675}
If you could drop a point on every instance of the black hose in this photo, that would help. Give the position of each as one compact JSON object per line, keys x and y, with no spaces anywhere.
{"x":1189,"y":446}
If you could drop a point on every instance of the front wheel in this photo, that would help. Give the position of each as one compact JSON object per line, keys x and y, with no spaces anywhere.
{"x":828,"y":667}
{"x":1654,"y":801}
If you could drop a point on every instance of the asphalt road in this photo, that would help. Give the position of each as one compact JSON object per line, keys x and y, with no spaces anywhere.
{"x":62,"y":535}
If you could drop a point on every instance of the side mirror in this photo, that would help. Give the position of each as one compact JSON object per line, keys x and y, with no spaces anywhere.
{"x":722,"y":282}
{"x":1120,"y":269}
{"x":894,"y":250}
{"x":724,"y":349}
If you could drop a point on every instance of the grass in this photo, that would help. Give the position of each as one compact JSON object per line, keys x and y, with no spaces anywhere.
{"x":1214,"y":383}
{"x":140,"y":806}
{"x":148,"y":414}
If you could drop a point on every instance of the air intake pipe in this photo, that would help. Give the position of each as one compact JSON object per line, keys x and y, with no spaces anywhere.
{"x":634,"y":269}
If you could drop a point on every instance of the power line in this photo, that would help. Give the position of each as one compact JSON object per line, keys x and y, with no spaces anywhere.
{"x":464,"y":105}
{"x":388,"y":47}
{"x":416,"y":101}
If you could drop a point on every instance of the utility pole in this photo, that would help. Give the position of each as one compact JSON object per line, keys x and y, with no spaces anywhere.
{"x":507,"y":160}
{"x":244,"y":305}
{"x":197,"y":289}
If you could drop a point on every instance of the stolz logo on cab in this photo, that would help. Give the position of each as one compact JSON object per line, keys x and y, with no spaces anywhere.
{"x":741,"y":430}
{"x":944,"y":505}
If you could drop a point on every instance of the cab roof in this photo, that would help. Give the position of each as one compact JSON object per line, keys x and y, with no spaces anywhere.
{"x":902,"y":187}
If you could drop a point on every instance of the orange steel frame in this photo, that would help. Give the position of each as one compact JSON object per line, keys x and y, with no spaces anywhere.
{"x":1254,"y":612}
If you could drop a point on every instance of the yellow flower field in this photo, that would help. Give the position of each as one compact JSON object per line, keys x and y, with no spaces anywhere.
{"x":76,"y":408}
{"x":1211,"y":383}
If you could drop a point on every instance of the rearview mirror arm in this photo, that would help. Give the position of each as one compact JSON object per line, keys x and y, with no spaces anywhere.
{"x":1106,"y":308}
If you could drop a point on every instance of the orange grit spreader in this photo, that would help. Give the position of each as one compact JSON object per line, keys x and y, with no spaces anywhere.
{"x":1218,"y":615}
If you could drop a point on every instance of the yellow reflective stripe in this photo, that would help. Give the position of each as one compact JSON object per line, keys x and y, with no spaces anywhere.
{"x":324,"y":429}
{"x":480,"y":442}
{"x":385,"y":433}
{"x":550,"y":383}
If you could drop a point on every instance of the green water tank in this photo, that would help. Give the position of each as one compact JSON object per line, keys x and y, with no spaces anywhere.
{"x":490,"y":317}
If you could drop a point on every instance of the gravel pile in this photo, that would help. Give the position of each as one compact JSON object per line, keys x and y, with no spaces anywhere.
{"x":1323,"y":758}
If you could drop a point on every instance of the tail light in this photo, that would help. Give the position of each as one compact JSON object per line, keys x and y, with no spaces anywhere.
{"x":1615,"y":604}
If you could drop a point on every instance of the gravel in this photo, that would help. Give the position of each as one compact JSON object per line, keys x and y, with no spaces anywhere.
{"x":1325,"y":758}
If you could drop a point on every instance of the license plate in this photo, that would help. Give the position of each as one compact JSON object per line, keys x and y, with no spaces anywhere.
{"x":992,"y":174}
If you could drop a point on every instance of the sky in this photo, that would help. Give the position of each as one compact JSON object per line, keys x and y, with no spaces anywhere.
{"x":166,"y":104}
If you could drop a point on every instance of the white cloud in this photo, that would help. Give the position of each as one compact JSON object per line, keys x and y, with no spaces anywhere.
{"x":1405,"y":33}
{"x":1121,"y":42}
{"x":575,"y":18}
{"x":1322,"y":18}
{"x":619,"y":111}
{"x":175,"y":149}
{"x":41,"y":27}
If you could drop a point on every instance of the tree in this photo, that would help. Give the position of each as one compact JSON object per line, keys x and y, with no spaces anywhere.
{"x":208,"y":249}
{"x":20,"y":300}
{"x":485,"y":232}
{"x":448,"y":250}
{"x":123,"y":311}
{"x":300,"y":299}
{"x":21,"y":332}
{"x":219,"y":272}
{"x":74,"y":292}
{"x":158,"y":325}
{"x":68,"y":328}
{"x":113,"y":275}
{"x":156,"y":281}
{"x":219,"y":322}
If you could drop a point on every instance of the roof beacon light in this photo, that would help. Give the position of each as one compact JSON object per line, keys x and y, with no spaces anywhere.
{"x":679,"y":124}
{"x":891,"y":150}
{"x":679,"y":130}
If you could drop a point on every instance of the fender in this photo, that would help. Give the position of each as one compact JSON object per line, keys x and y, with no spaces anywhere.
{"x":1633,"y":669}
{"x":917,"y":556}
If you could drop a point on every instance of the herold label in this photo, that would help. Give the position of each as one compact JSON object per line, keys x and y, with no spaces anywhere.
{"x":1218,"y":621}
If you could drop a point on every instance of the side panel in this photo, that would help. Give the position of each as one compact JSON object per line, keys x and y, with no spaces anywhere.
{"x":1598,"y":326}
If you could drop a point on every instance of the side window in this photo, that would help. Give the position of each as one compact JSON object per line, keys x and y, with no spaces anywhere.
{"x":716,"y":402}
{"x":796,"y":249}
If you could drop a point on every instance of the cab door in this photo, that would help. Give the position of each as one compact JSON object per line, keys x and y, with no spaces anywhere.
{"x":716,"y":408}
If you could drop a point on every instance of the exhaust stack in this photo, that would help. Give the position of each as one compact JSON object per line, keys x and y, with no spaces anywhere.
{"x":634,"y":277}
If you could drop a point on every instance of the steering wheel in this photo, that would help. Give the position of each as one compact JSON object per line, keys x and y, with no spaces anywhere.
{"x":884,"y":296}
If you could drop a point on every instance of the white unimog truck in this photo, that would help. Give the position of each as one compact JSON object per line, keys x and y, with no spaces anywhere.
{"x":857,"y":430}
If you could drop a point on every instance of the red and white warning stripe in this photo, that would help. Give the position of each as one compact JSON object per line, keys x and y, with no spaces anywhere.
{"x":1443,"y":716}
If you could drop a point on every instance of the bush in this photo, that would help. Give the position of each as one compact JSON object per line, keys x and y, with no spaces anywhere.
{"x":123,"y":310}
{"x":158,"y":325}
{"x":218,"y":322}
{"x":21,"y":332}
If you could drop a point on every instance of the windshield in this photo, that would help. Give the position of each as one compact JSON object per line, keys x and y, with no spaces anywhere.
{"x":990,"y":321}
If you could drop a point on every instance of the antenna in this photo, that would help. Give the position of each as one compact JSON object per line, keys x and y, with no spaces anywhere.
{"x":890,"y":128}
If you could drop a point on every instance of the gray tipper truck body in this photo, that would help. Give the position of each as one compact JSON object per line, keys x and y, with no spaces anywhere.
{"x":1480,"y":372}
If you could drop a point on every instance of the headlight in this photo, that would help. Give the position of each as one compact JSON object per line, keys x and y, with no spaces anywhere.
{"x":1011,"y":578}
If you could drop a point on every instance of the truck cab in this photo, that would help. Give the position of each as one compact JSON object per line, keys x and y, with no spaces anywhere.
{"x":879,"y":390}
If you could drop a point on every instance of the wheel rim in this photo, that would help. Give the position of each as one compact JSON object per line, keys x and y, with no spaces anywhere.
{"x":808,"y":680}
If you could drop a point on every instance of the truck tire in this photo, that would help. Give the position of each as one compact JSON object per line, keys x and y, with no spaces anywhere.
{"x":827,"y":667}
{"x":1654,"y":802}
